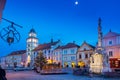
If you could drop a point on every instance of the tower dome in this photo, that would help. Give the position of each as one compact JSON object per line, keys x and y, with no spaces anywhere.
{"x":32,"y":33}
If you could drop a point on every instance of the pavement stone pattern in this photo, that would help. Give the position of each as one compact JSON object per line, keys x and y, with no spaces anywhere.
{"x":31,"y":75}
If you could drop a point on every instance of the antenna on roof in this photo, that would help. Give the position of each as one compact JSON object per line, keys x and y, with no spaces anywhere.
{"x":51,"y":38}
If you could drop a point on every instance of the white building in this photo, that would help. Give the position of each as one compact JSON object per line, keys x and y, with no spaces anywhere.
{"x":3,"y":61}
{"x":69,"y":55}
{"x":32,"y":43}
{"x":13,"y":59}
{"x":57,"y":55}
{"x":48,"y":50}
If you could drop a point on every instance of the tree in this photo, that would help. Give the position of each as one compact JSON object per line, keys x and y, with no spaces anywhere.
{"x":40,"y":60}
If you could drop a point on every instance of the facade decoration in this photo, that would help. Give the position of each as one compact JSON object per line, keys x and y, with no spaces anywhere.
{"x":99,"y":60}
{"x":69,"y":52}
{"x":84,"y":53}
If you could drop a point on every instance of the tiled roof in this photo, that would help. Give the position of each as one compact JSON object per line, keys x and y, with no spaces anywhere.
{"x":111,"y":34}
{"x":70,"y":45}
{"x":88,"y":44}
{"x":17,"y":52}
{"x":91,"y":46}
{"x":45,"y":46}
{"x":60,"y":47}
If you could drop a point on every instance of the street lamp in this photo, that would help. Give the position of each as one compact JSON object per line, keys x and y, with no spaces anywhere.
{"x":10,"y":34}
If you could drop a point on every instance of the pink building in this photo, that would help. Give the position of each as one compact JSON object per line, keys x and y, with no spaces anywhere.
{"x":111,"y":42}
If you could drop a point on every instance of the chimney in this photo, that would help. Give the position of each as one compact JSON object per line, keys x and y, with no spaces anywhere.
{"x":51,"y":40}
{"x":74,"y":42}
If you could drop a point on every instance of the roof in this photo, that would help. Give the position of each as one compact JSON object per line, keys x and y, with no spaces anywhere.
{"x":32,"y":31}
{"x":60,"y":47}
{"x":17,"y":52}
{"x":70,"y":45}
{"x":88,"y":44}
{"x":111,"y":34}
{"x":45,"y":46}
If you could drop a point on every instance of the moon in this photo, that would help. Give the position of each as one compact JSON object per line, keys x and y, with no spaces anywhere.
{"x":76,"y":2}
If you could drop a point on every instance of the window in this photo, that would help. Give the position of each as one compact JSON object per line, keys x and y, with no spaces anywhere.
{"x":28,"y":45}
{"x":57,"y":59}
{"x":65,"y":58}
{"x":84,"y":49}
{"x":73,"y":58}
{"x":48,"y":51}
{"x":56,"y":53}
{"x":45,"y":51}
{"x":110,"y":42}
{"x":110,"y":53}
{"x":28,"y":53}
{"x":72,"y":51}
{"x":48,"y":57}
{"x":80,"y":56}
{"x":65,"y":51}
{"x":86,"y":55}
{"x":92,"y":59}
{"x":90,"y":54}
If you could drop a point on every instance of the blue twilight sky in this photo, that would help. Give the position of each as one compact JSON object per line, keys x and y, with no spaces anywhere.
{"x":60,"y":19}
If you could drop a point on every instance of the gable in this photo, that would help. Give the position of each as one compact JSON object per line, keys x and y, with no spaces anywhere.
{"x":85,"y":47}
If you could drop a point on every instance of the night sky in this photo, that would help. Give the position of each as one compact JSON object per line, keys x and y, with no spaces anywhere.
{"x":60,"y":19}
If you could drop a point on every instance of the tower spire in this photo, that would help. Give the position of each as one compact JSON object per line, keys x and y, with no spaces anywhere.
{"x":99,"y":33}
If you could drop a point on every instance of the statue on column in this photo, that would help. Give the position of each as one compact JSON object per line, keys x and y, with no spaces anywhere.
{"x":99,"y":60}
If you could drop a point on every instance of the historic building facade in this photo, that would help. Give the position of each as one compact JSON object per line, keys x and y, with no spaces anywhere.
{"x":84,"y":53}
{"x":48,"y":50}
{"x":14,"y":59}
{"x":111,"y":42}
{"x":69,"y":55}
{"x":31,"y":43}
{"x":57,"y":56}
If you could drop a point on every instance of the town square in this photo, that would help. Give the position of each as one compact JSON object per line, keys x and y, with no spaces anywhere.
{"x":59,"y":40}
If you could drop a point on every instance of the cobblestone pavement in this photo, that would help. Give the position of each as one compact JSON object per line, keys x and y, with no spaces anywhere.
{"x":31,"y":75}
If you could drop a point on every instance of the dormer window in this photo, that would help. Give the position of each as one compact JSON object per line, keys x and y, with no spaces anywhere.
{"x":84,"y":49}
{"x":110,"y":42}
{"x":110,"y":53}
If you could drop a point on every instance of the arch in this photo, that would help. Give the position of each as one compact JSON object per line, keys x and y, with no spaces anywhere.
{"x":73,"y":64}
{"x":66,"y":64}
{"x":81,"y":63}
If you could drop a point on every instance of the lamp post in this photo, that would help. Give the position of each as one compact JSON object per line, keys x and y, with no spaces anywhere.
{"x":10,"y":34}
